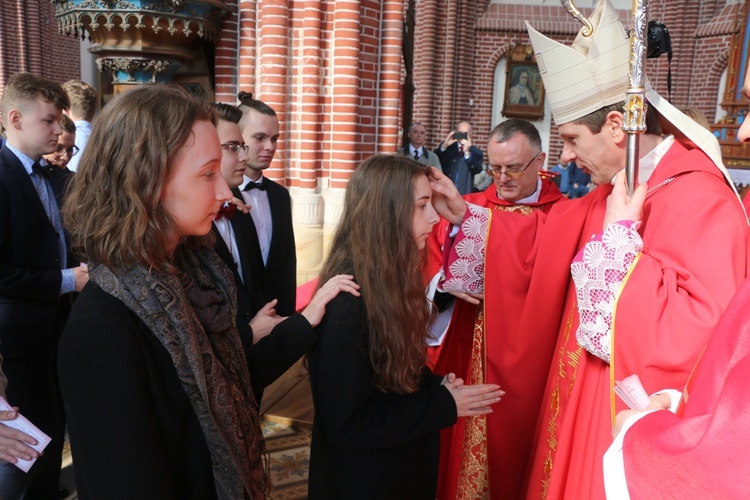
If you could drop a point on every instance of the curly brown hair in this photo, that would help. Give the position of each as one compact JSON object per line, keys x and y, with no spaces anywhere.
{"x":113,"y":211}
{"x":374,"y":242}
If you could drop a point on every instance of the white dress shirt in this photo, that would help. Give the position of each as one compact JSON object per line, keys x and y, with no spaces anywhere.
{"x":260,"y":211}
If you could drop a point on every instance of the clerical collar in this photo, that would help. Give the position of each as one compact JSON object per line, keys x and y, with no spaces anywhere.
{"x":648,"y":163}
{"x":532,"y":198}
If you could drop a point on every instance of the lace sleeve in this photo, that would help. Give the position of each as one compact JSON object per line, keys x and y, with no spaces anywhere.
{"x":464,"y":263}
{"x":598,"y":272}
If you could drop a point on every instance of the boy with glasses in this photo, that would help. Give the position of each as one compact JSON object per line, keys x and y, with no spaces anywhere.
{"x":66,"y":147}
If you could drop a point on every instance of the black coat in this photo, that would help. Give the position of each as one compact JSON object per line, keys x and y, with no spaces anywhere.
{"x":367,"y":443}
{"x":134,"y":433}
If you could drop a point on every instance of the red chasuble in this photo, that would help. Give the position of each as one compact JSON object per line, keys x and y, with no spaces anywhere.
{"x":704,"y":454}
{"x":496,"y":344}
{"x":694,"y":258}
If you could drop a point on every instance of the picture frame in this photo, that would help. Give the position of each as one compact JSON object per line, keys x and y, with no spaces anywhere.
{"x":524,"y":90}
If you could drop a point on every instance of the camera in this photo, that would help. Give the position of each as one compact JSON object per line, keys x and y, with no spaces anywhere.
{"x":460,"y":135}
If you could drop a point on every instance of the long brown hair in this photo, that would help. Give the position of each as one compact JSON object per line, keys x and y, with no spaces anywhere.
{"x":374,"y":242}
{"x":113,"y":211}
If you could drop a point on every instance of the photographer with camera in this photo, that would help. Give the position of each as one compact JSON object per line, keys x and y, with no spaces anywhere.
{"x":460,"y":161}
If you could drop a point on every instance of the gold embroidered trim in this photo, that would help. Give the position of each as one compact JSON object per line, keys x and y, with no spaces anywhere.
{"x":612,"y":333}
{"x":571,"y":359}
{"x":524,"y":209}
{"x":473,"y":475}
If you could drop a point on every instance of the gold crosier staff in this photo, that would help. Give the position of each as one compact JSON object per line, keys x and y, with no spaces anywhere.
{"x":635,"y":97}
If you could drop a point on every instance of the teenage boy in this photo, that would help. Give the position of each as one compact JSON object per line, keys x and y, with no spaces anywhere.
{"x":37,"y":273}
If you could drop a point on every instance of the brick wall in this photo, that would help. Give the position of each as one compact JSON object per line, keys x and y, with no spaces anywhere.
{"x":459,"y":44}
{"x":30,"y":42}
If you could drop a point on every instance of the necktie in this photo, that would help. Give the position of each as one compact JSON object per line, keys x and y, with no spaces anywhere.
{"x":255,"y":185}
{"x":416,"y":154}
{"x":226,"y":210}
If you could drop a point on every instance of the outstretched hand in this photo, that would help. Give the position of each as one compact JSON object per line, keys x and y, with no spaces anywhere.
{"x":472,"y":400}
{"x":265,"y":320}
{"x":445,"y":197}
{"x":620,"y":206}
{"x":317,"y":307}
{"x":241,"y":205}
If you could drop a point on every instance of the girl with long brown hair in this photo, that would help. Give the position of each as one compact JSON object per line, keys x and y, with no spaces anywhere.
{"x":378,"y":409}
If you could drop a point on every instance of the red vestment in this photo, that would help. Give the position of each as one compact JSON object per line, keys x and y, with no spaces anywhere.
{"x":501,"y":346}
{"x":704,"y":453}
{"x":694,"y":257}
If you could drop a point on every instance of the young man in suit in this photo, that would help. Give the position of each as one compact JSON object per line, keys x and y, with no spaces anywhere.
{"x":271,"y":206}
{"x":37,"y":272}
{"x":273,"y":343}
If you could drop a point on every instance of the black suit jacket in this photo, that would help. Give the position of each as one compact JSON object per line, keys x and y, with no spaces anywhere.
{"x":32,"y":312}
{"x":460,"y":170}
{"x":279,"y":279}
{"x":287,"y":342}
{"x":30,"y":273}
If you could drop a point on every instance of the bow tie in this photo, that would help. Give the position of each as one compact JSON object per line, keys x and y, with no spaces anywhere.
{"x":255,"y":185}
{"x":41,"y":170}
{"x":227,"y":210}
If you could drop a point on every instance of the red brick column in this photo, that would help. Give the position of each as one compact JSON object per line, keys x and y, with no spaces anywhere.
{"x":226,"y":56}
{"x":389,"y":69}
{"x":426,"y":62}
{"x":306,"y":111}
{"x":342,"y":135}
{"x":272,"y":81}
{"x":247,"y":43}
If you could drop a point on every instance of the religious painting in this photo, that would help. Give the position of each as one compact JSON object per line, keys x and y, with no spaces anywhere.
{"x":524,"y":92}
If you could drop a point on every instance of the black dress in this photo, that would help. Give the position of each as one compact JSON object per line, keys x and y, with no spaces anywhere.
{"x":367,"y":443}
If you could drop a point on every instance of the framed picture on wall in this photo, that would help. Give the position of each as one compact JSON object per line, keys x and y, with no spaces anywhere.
{"x":524,"y":92}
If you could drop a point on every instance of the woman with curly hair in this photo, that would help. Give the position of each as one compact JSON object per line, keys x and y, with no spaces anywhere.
{"x":155,"y":379}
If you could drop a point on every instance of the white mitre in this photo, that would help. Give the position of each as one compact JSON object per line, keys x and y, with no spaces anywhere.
{"x":593,"y":73}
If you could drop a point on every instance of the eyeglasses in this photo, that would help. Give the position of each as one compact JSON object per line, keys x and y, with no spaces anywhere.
{"x":235,"y":148}
{"x":513,"y":173}
{"x":71,"y":151}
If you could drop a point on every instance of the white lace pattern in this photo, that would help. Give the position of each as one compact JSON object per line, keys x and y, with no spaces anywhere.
{"x":598,"y":272}
{"x":465,"y":271}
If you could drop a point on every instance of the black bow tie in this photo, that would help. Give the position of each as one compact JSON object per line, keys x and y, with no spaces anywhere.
{"x":255,"y":185}
{"x":39,"y":169}
{"x":227,"y":210}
